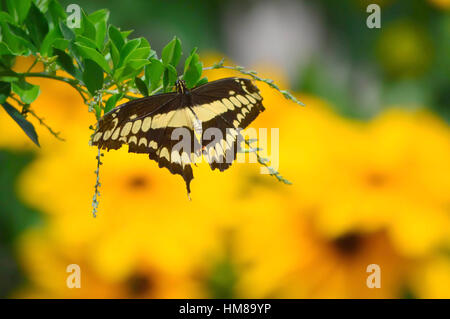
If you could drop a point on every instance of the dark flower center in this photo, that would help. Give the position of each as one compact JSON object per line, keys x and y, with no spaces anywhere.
{"x":138,"y":182}
{"x":376,"y":179}
{"x":139,"y":284}
{"x":348,"y":244}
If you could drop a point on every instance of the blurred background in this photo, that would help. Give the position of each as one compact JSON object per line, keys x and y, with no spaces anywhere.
{"x":369,"y":158}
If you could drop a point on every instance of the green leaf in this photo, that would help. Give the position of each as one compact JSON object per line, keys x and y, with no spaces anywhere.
{"x":127,"y":49}
{"x":116,"y":37}
{"x":171,"y":53}
{"x":26,"y":126}
{"x":140,"y":53}
{"x":18,"y":9}
{"x":5,"y":17}
{"x":193,"y":69}
{"x":137,"y":64}
{"x":89,"y":53}
{"x":50,"y":38}
{"x":202,"y":81}
{"x":100,"y":34}
{"x":22,"y":37}
{"x":153,"y":73}
{"x":115,"y":54}
{"x":26,"y":91}
{"x":92,"y":76}
{"x":86,"y":41}
{"x":99,"y":19}
{"x":5,"y":91}
{"x":169,"y":78}
{"x":61,"y":44}
{"x":87,"y":27}
{"x":4,"y":49}
{"x":37,"y":25}
{"x":66,"y":62}
{"x":99,"y":15}
{"x":56,"y":12}
{"x":66,"y":31}
{"x":141,"y":86}
{"x":112,"y":101}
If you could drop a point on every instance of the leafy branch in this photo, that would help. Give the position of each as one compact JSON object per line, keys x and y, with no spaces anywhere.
{"x":100,"y":61}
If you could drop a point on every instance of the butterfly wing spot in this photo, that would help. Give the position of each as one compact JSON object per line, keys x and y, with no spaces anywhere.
{"x":235,"y":101}
{"x":228,"y":104}
{"x":146,"y":124}
{"x":126,"y":129}
{"x":143,"y":141}
{"x":136,"y":126}
{"x":242,"y":99}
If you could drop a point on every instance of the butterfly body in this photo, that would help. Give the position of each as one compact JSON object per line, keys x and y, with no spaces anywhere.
{"x":154,"y":124}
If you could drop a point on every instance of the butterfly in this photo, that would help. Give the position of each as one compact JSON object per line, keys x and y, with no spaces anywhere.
{"x":155,"y":124}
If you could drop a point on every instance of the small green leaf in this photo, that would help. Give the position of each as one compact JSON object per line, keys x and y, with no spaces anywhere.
{"x":112,"y":101}
{"x":192,"y":69}
{"x":26,"y":91}
{"x":86,"y":42}
{"x":116,"y":37}
{"x":127,"y":49}
{"x":88,"y":27}
{"x":139,"y":53}
{"x":5,"y":91}
{"x":92,"y":76}
{"x":22,"y":37}
{"x":100,"y":34}
{"x":66,"y":31}
{"x":137,"y":64}
{"x":171,"y":53}
{"x":99,"y":15}
{"x":169,"y":78}
{"x":202,"y":81}
{"x":56,"y":12}
{"x":37,"y":25}
{"x":89,"y":53}
{"x":115,"y":54}
{"x":153,"y":73}
{"x":18,"y":9}
{"x":141,"y":86}
{"x":65,"y":61}
{"x":50,"y":38}
{"x":26,"y":126}
{"x":4,"y":49}
{"x":5,"y":17}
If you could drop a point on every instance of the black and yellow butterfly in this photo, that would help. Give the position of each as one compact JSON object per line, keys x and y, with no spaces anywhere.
{"x":147,"y":124}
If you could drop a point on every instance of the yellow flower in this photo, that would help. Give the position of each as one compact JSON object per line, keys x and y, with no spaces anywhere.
{"x":442,"y":4}
{"x":432,"y":278}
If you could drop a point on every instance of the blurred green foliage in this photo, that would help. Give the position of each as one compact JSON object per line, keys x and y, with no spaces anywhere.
{"x":408,"y":57}
{"x":14,"y":217}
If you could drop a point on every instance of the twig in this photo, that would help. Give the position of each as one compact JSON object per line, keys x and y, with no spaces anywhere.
{"x":95,"y":201}
{"x":265,"y":162}
{"x":40,"y":119}
{"x":288,"y":95}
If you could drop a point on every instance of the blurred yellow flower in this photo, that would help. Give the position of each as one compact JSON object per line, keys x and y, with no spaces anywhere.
{"x":442,"y":4}
{"x":363,"y":193}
